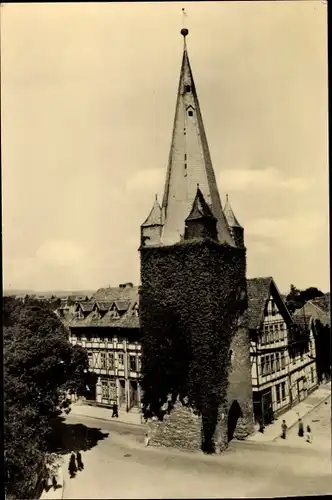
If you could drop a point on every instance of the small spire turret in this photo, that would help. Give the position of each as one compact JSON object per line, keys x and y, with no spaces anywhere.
{"x":235,"y":227}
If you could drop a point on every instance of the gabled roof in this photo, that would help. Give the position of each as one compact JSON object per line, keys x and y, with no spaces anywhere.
{"x":103,"y":305}
{"x":85,"y":306}
{"x":200,"y":208}
{"x":259,"y":291}
{"x":122,"y":304}
{"x":189,"y":164}
{"x":323,"y":303}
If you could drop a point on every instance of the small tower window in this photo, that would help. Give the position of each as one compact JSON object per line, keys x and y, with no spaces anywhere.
{"x":187,"y":88}
{"x":190,"y":112}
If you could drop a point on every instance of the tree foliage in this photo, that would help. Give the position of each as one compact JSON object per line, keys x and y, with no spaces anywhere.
{"x":297,"y":298}
{"x":40,"y":369}
{"x":322,"y":335}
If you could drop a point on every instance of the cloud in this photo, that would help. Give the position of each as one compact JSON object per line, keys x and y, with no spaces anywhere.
{"x":297,"y":231}
{"x":257,"y":179}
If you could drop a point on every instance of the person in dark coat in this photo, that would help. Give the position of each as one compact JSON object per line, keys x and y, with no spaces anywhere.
{"x":72,"y":468}
{"x":80,"y":464}
{"x":261,"y":426}
{"x":308,"y":435}
{"x":54,"y":482}
{"x":301,"y":430}
{"x":283,"y":429}
{"x":115,"y":411}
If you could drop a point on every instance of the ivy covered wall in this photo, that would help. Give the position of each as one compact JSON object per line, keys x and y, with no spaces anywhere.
{"x":192,"y":301}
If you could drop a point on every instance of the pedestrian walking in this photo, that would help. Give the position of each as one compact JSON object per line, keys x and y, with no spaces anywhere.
{"x":146,"y":440}
{"x":115,"y":411}
{"x":283,"y":429}
{"x":80,"y":464}
{"x":72,"y":468}
{"x":301,"y":429}
{"x":261,"y":426}
{"x":309,"y":435}
{"x":54,"y":482}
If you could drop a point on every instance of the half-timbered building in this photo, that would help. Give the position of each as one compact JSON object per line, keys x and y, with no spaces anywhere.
{"x":108,"y":327}
{"x":282,"y":352}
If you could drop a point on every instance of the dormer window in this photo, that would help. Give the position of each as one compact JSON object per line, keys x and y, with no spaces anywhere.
{"x":190,"y":112}
{"x":187,"y":88}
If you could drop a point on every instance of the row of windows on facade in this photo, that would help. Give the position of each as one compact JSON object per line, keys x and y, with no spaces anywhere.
{"x":93,"y":338}
{"x":271,"y":363}
{"x":107,"y":361}
{"x":112,"y":313}
{"x":274,"y":332}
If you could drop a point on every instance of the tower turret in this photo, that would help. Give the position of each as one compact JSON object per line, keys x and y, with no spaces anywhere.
{"x":201,"y":222}
{"x":151,"y":228}
{"x":235,"y":227}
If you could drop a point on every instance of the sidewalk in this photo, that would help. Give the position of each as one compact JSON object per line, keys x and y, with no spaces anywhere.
{"x":57,"y":494}
{"x":273,"y":431}
{"x":80,"y":408}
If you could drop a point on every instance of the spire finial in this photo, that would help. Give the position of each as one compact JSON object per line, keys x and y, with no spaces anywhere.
{"x":226,"y":197}
{"x":156,"y":197}
{"x":184,"y":31}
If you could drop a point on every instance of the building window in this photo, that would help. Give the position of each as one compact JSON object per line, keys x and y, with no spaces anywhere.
{"x":111,"y":360}
{"x":273,"y":367}
{"x":263,"y":365}
{"x":278,"y":393}
{"x":190,"y":113}
{"x":283,"y":391}
{"x":277,"y":361}
{"x":90,"y":358}
{"x":120,"y":361}
{"x":132,"y":363}
{"x":139,"y":364}
{"x":282,"y":360}
{"x":312,"y":375}
{"x":187,"y":88}
{"x":104,"y":389}
{"x":112,"y":390}
{"x":103,"y":360}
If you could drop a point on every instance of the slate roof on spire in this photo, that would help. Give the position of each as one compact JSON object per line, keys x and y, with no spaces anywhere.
{"x":229,"y":214}
{"x":189,"y":164}
{"x":154,"y":218}
{"x":200,"y":208}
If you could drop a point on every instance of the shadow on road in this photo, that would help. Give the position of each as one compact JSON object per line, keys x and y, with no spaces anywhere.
{"x":66,"y":438}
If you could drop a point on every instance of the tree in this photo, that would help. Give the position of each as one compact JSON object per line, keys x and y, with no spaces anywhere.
{"x":41,"y":368}
{"x":297,"y":298}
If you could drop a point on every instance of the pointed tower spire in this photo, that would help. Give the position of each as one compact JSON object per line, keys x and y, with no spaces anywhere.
{"x":235,"y":227}
{"x":189,"y":163}
{"x":151,"y":227}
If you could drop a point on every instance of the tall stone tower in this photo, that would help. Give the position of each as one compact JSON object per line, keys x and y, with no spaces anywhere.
{"x":193,"y":299}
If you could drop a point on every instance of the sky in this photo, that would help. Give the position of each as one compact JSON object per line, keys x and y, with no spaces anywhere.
{"x":88,"y":95}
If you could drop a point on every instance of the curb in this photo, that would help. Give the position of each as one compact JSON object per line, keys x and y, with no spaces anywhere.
{"x":106,"y":419}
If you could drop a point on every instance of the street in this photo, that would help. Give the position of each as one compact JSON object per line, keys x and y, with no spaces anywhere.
{"x":118,"y":466}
